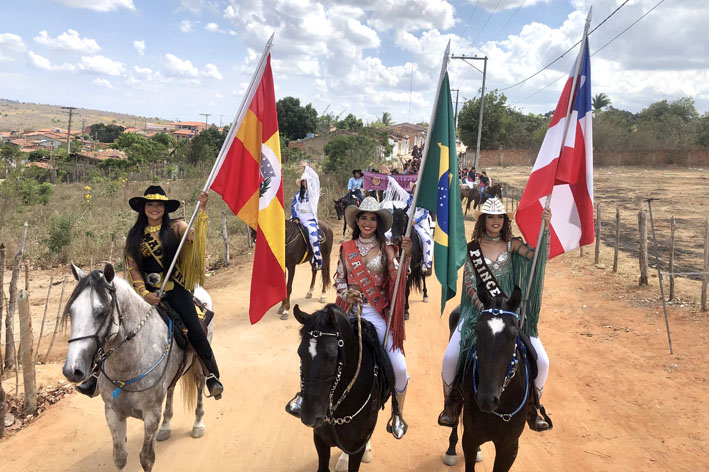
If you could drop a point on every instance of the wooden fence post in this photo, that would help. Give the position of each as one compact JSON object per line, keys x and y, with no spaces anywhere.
{"x":58,"y":322}
{"x":2,"y":305}
{"x":226,"y":240}
{"x":642,"y":230}
{"x":27,"y":277}
{"x":672,"y":258}
{"x":597,"y":257}
{"x":44,"y":316}
{"x":248,"y":235}
{"x":2,"y":409}
{"x":617,"y":240}
{"x":26,"y":345}
{"x":705,"y":279}
{"x":10,"y":354}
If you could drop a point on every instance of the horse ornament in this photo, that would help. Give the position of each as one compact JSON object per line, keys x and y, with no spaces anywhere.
{"x":120,"y":338}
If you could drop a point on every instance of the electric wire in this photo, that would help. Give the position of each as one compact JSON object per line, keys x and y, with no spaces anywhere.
{"x":510,"y":19}
{"x":486,"y":22}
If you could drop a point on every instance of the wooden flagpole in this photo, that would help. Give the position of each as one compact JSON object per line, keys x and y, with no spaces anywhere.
{"x":547,"y":204}
{"x":250,"y":92}
{"x":412,"y":208}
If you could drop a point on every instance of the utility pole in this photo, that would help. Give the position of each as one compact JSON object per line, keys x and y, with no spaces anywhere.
{"x":455,"y":118}
{"x":68,"y":131}
{"x":482,"y":98}
{"x":220,"y":120}
{"x":206,"y":117}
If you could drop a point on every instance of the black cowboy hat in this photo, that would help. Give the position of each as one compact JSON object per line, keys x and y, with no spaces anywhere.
{"x":154,"y":193}
{"x":354,"y":171}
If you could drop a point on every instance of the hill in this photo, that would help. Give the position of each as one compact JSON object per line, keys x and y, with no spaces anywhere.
{"x":24,"y":116}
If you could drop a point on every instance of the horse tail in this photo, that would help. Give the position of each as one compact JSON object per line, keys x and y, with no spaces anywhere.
{"x":189,"y":383}
{"x":329,"y":239}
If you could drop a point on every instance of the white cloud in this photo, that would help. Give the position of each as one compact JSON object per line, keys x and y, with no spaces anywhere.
{"x":412,"y":15}
{"x":102,"y":83}
{"x":177,"y":67}
{"x":498,"y":5}
{"x":99,"y":5}
{"x":210,"y":70}
{"x":186,"y":26}
{"x":101,"y":65}
{"x":68,"y":41}
{"x":10,"y":44}
{"x":213,"y":27}
{"x":193,"y":6}
{"x":139,"y":47}
{"x":42,"y":62}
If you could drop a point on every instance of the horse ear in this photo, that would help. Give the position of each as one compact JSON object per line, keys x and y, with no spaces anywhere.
{"x":109,"y":272}
{"x":78,"y":273}
{"x":515,"y":299}
{"x":331,"y":315}
{"x":300,"y":315}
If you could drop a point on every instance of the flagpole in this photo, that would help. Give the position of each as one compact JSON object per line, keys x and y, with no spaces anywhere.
{"x":238,"y":119}
{"x":547,"y":203}
{"x":412,"y":208}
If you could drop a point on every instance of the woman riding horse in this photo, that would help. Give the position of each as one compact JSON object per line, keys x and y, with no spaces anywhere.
{"x":373,"y":289}
{"x":304,"y":209}
{"x":150,"y":248}
{"x":510,"y":261}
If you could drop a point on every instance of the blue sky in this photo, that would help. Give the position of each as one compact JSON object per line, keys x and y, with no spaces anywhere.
{"x":179,"y":58}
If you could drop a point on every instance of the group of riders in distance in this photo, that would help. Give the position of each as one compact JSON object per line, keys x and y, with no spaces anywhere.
{"x":352,"y":351}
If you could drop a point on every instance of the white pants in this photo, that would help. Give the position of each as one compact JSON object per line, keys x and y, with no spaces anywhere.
{"x":450,"y":360}
{"x":398,"y":361}
{"x":426,"y":241}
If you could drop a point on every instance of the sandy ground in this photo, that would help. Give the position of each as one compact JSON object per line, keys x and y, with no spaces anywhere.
{"x":619,"y":400}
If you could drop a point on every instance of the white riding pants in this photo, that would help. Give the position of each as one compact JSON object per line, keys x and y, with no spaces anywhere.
{"x":311,"y":224}
{"x":450,"y":360}
{"x":424,"y":233}
{"x":398,"y":361}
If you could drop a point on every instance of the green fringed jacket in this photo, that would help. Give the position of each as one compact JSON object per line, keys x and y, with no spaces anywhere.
{"x":510,"y":269}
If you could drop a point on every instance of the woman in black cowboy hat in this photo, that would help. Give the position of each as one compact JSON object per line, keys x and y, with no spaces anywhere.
{"x":150,"y":248}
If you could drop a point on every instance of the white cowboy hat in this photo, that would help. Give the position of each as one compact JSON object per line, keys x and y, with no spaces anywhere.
{"x":492,"y":206}
{"x":369,"y":204}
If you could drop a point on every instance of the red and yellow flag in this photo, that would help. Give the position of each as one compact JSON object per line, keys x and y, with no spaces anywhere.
{"x":250,"y":181}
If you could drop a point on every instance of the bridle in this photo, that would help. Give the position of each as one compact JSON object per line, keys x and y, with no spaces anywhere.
{"x":511,"y":368}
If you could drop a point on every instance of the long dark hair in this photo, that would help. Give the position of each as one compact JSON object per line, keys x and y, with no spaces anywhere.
{"x":479,"y":230}
{"x":380,"y":233}
{"x":168,"y":239}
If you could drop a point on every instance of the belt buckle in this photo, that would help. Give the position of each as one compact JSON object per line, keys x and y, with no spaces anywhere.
{"x":154,"y":278}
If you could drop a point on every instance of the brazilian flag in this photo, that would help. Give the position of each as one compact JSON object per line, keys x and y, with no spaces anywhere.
{"x":439,"y":193}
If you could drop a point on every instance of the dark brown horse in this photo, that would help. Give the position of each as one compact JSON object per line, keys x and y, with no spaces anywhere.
{"x":298,"y":251}
{"x":473,"y":195}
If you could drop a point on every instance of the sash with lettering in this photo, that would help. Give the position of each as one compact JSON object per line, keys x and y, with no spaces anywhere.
{"x":482,"y":271}
{"x":361,"y":275}
{"x":155,"y":249}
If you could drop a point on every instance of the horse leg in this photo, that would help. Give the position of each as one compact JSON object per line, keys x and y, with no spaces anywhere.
{"x":505,"y":455}
{"x":286,"y":302}
{"x":198,"y":426}
{"x":312,"y":283}
{"x":343,"y":463}
{"x":425,"y":290}
{"x":323,"y":453}
{"x":344,"y":231}
{"x":355,"y":461}
{"x":471,"y":445}
{"x":367,"y":457}
{"x":406,"y":304}
{"x":117,"y":426}
{"x":450,"y":458}
{"x":164,"y":432}
{"x":151,"y":421}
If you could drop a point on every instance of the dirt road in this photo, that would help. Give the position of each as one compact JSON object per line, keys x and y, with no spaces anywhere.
{"x":620,"y":402}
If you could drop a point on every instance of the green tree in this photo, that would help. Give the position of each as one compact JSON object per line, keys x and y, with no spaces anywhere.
{"x":165,"y":139}
{"x":668,"y":125}
{"x":345,"y":152}
{"x":386,"y":119}
{"x":495,"y":117}
{"x":295,"y":121}
{"x":105,"y":133}
{"x":600,"y":101}
{"x":350,"y":123}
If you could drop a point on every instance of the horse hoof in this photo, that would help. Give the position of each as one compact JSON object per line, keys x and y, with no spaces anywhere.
{"x":450,"y":460}
{"x":479,"y":456}
{"x":163,"y":434}
{"x":197,"y":432}
{"x":343,"y":463}
{"x":284,"y":315}
{"x":406,"y":315}
{"x":280,"y":311}
{"x":367,"y":457}
{"x":323,"y":299}
{"x":309,"y":295}
{"x":425,"y":299}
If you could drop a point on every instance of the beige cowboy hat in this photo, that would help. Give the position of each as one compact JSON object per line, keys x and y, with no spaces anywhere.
{"x":492,"y":206}
{"x":369,"y":204}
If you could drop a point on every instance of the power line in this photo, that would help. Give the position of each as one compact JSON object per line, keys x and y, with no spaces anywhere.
{"x":510,"y":19}
{"x":486,"y":22}
{"x":566,"y":52}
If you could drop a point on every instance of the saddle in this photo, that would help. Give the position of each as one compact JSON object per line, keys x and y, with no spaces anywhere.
{"x":168,"y":313}
{"x":370,"y":341}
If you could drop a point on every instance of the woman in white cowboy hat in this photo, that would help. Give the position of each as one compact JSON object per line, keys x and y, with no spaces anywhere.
{"x":304,"y":209}
{"x":150,"y":248}
{"x":510,"y":260}
{"x":373,"y":290}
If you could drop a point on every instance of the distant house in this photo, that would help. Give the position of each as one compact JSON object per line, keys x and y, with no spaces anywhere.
{"x":194,"y":126}
{"x":45,"y":139}
{"x":94,"y":157}
{"x":404,"y":136}
{"x":185,"y":133}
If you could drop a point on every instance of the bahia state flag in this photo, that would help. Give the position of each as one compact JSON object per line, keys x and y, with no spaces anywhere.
{"x":248,"y":177}
{"x":439,"y":193}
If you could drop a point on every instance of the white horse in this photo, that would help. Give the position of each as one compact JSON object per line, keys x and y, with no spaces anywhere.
{"x":139,"y":362}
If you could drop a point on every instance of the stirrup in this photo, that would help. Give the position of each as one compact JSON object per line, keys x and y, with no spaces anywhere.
{"x":294,"y":406}
{"x":397,"y":426}
{"x":214,"y":386}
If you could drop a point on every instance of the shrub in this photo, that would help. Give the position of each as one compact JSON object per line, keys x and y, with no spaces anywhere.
{"x":60,"y":235}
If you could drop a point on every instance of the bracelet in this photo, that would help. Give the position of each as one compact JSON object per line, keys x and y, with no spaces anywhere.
{"x":144,"y":293}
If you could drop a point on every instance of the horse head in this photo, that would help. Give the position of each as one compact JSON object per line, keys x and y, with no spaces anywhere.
{"x":91,"y":311}
{"x":497,"y":332}
{"x":322,"y":356}
{"x":399,"y":222}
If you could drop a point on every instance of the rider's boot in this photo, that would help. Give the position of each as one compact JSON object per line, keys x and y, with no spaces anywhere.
{"x":294,"y":405}
{"x":214,"y":386}
{"x":89,"y":387}
{"x":452,"y":405}
{"x":396,"y":425}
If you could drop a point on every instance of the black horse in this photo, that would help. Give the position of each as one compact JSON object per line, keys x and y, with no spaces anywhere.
{"x":341,"y":204}
{"x":498,"y":383}
{"x":343,"y":385}
{"x":417,"y":278}
{"x":477,"y":199}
